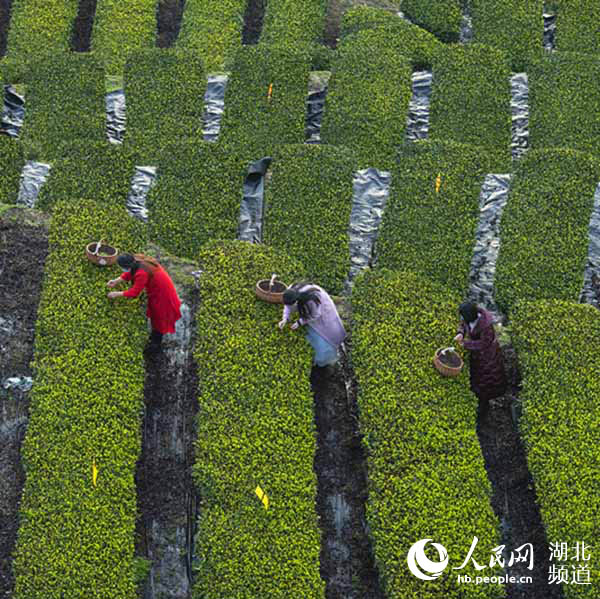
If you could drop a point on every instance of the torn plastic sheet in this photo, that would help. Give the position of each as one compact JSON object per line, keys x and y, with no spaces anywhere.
{"x":417,"y":120}
{"x":590,"y":293}
{"x":33,"y":176}
{"x":315,"y":105}
{"x":214,"y":101}
{"x":142,"y":182}
{"x":115,"y":116}
{"x":252,"y":206}
{"x":21,"y":383}
{"x":492,"y":199}
{"x":370,"y":192}
{"x":519,"y":105}
{"x":13,"y":112}
{"x":466,"y":26}
{"x":549,"y":32}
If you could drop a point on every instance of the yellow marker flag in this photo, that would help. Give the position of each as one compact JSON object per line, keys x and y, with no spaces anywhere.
{"x":438,"y":183}
{"x":263,"y":497}
{"x":94,"y":472}
{"x":270,"y":92}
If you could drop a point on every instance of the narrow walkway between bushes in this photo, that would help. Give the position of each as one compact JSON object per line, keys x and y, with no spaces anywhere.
{"x":347,"y":561}
{"x":168,"y":22}
{"x":5,"y":8}
{"x":253,"y":21}
{"x":81,"y":39}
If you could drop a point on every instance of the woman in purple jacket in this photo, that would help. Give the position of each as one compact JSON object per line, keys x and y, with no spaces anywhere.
{"x":488,"y":379}
{"x":325,"y":331}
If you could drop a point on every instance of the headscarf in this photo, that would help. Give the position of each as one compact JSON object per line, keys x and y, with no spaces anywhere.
{"x":135,"y":261}
{"x":468,"y":310}
{"x":292,"y":295}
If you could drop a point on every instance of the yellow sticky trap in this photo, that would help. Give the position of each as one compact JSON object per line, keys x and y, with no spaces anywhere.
{"x":263,"y":497}
{"x":438,"y":183}
{"x":94,"y":472}
{"x":270,"y":92}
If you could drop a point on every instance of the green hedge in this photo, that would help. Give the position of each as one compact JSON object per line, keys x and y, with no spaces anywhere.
{"x":434,"y":232}
{"x":558,"y":344}
{"x":65,"y":104}
{"x":426,"y":474}
{"x":39,"y":28}
{"x":382,"y":29}
{"x":292,"y":22}
{"x":121,"y":27}
{"x":255,"y":427}
{"x":307,"y":209}
{"x":442,"y":17}
{"x":514,"y":26}
{"x":367,"y":101}
{"x":75,"y":539}
{"x":213,"y":34}
{"x":564,"y":102}
{"x":577,"y":26}
{"x":470,"y":100}
{"x":164,"y":91}
{"x":544,"y":232}
{"x":252,"y":120}
{"x":197,"y":197}
{"x":11,"y":165}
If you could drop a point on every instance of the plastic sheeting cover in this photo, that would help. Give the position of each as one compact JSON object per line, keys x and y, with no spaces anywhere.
{"x":519,"y":104}
{"x":13,"y":112}
{"x":214,"y":101}
{"x":142,"y":182}
{"x":492,"y":199}
{"x":590,"y":292}
{"x":549,"y":32}
{"x":315,"y":106}
{"x":33,"y":176}
{"x":252,"y":206}
{"x":22,"y":383}
{"x":466,"y":27}
{"x":370,"y":192}
{"x":417,"y":120}
{"x":115,"y":116}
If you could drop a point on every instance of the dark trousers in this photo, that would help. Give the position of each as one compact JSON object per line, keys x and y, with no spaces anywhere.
{"x":155,"y":341}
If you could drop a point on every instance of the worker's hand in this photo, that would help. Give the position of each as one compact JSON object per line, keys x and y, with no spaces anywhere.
{"x":113,"y":294}
{"x":282,"y":324}
{"x":295,"y":326}
{"x":458,"y":338}
{"x":113,"y":282}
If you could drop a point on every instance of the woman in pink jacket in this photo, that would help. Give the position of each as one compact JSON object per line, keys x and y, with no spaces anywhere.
{"x":325,"y":331}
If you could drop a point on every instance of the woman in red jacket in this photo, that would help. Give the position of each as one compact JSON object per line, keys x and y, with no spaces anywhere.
{"x":163,"y":301}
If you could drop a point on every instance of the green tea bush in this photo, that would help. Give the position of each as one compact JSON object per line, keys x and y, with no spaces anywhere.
{"x":197,"y":197}
{"x":164,"y":91}
{"x":426,"y":474}
{"x":544,"y":232}
{"x":292,"y":22}
{"x":470,"y":100}
{"x":121,"y":27}
{"x":367,"y":101}
{"x":577,"y":26}
{"x":211,"y":33}
{"x":255,"y":428}
{"x":564,"y":102}
{"x":11,"y":165}
{"x":253,"y":120}
{"x":76,"y":539}
{"x":39,"y":28}
{"x":65,"y":104}
{"x":558,"y":343}
{"x":307,"y":209}
{"x":429,"y":231}
{"x":441,"y":17}
{"x":514,"y":26}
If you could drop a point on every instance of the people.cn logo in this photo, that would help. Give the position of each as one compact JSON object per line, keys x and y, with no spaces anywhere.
{"x":421,"y":566}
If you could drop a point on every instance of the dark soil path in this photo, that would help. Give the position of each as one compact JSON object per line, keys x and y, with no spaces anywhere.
{"x":5,"y":6}
{"x":347,"y":562}
{"x":168,"y":18}
{"x":23,"y":251}
{"x":253,"y":21}
{"x":83,"y":25}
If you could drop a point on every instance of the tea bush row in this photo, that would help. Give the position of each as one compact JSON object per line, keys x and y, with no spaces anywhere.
{"x":443,"y":18}
{"x":213,"y":34}
{"x":367,"y":101}
{"x":559,"y":352}
{"x":382,"y":29}
{"x":253,"y":117}
{"x":514,"y":26}
{"x":65,"y":104}
{"x":255,"y":428}
{"x":164,"y":90}
{"x":429,"y":231}
{"x":76,"y":539}
{"x":564,"y":102}
{"x":426,"y":474}
{"x":544,"y":231}
{"x":470,"y":100}
{"x":577,"y":26}
{"x":293,"y":22}
{"x":307,"y":209}
{"x":11,"y":165}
